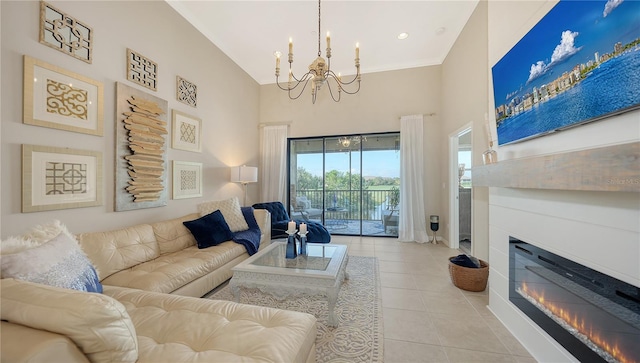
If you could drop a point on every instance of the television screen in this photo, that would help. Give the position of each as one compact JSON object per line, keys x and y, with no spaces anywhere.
{"x":579,"y":64}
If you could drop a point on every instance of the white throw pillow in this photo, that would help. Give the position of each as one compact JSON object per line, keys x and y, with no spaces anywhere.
{"x":48,"y":254}
{"x":230,"y":209}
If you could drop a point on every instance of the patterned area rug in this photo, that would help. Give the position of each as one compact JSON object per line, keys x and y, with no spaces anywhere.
{"x":359,"y":335}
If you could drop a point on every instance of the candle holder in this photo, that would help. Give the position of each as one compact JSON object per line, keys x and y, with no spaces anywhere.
{"x":291,"y":245}
{"x":303,"y":242}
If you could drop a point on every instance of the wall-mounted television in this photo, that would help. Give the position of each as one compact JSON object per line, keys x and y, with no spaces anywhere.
{"x":580,"y":63}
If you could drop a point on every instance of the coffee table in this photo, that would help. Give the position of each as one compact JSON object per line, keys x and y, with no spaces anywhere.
{"x":319,"y":273}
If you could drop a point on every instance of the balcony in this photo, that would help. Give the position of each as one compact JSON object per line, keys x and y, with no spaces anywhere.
{"x":342,"y":211}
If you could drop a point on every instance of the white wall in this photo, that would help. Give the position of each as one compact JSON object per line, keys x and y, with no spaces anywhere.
{"x":383,"y":98}
{"x":464,"y":99}
{"x":228,"y":102}
{"x":597,"y":229}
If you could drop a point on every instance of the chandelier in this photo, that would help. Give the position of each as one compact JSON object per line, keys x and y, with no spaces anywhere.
{"x":345,"y":141}
{"x":319,"y":73}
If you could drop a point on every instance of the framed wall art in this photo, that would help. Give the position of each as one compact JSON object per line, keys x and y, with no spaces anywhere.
{"x":186,"y":92}
{"x":185,"y":131}
{"x":60,"y":99}
{"x":60,"y":178}
{"x":187,"y":179}
{"x":65,"y":33}
{"x":578,"y":64}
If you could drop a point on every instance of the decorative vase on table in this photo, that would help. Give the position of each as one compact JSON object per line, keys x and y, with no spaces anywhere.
{"x":291,"y":247}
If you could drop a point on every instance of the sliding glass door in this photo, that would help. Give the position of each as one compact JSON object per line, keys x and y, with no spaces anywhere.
{"x":348,"y":183}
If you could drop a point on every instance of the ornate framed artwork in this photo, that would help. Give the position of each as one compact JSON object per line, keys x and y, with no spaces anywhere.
{"x":142,"y":70}
{"x":577,"y":65}
{"x":60,"y":31}
{"x":60,"y":178}
{"x":187,"y":179}
{"x":186,"y":92}
{"x":60,"y":99}
{"x":185,"y":131}
{"x":141,"y":150}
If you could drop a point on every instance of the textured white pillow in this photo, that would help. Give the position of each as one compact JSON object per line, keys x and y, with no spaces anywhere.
{"x":98,"y":324}
{"x":230,"y":209}
{"x":35,"y":237}
{"x":58,"y":262}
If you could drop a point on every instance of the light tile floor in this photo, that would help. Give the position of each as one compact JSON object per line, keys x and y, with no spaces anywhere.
{"x":427,"y":318}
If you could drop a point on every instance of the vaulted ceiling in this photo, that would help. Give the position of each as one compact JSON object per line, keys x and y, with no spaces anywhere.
{"x":249,"y":32}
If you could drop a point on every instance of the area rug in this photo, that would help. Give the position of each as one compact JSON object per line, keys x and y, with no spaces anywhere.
{"x":359,"y":334}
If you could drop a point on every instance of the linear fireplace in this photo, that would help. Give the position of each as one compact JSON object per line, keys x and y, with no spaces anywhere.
{"x":594,"y":316}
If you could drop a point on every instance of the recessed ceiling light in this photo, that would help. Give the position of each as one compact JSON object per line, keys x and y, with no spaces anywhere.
{"x":441,"y":30}
{"x":402,"y":36}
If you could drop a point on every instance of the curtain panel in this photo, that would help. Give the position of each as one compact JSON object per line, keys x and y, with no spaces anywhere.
{"x":273,"y":163}
{"x":412,"y":224}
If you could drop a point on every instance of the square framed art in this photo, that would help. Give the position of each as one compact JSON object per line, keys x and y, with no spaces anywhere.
{"x":187,"y":179}
{"x":60,"y":178}
{"x":60,"y":99}
{"x":185,"y":131}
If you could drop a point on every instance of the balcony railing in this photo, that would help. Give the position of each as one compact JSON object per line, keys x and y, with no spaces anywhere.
{"x":370,"y":208}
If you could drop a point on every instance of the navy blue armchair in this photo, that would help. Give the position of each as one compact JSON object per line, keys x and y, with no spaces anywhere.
{"x":317,"y":233}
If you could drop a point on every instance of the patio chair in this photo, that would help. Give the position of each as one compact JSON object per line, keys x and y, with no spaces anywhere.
{"x":280,"y":219}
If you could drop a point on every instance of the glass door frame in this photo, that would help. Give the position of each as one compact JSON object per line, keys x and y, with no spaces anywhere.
{"x":324,"y":202}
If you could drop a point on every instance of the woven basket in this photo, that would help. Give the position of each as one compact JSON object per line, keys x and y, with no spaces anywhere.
{"x":467,"y":278}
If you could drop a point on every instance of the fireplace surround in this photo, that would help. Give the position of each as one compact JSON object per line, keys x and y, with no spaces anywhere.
{"x":594,"y":316}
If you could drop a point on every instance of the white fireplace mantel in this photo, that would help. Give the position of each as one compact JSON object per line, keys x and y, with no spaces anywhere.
{"x":611,"y":168}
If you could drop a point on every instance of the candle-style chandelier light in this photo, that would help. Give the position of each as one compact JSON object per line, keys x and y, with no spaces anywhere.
{"x":319,"y":73}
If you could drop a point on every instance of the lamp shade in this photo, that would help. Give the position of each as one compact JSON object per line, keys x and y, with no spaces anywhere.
{"x":244,"y":174}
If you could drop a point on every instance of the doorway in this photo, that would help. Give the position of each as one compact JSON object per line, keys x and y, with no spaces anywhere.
{"x":460,"y":201}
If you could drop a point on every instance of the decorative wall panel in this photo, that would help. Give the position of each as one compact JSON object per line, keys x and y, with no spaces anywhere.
{"x":141,"y":175}
{"x":142,"y":70}
{"x":186,"y":92}
{"x":60,"y":31}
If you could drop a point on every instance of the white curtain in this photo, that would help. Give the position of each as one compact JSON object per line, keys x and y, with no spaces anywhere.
{"x":273,"y":163}
{"x":412,"y":224}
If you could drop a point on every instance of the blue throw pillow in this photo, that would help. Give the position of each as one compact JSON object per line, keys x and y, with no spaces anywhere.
{"x":210,"y":230}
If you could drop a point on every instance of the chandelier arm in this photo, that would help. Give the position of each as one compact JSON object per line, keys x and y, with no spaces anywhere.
{"x":288,"y":88}
{"x":353,"y":92}
{"x":301,"y":91}
{"x":331,"y":92}
{"x":355,"y":77}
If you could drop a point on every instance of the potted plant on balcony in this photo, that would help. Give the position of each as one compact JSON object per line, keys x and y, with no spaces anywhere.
{"x":394,"y":199}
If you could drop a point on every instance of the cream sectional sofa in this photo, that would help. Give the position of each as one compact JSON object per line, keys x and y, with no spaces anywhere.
{"x":164,"y":257}
{"x":140,"y":316}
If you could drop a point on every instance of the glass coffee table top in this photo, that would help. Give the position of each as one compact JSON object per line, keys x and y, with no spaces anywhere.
{"x":318,"y":257}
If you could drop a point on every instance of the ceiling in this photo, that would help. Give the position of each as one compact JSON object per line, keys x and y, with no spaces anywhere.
{"x":249,"y":32}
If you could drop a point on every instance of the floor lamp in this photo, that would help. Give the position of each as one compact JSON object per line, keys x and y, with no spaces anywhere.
{"x":244,"y":175}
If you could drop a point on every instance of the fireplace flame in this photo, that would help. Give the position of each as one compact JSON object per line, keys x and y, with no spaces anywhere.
{"x":576,"y":322}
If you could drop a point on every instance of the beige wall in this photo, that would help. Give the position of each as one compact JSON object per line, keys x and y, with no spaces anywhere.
{"x":383,"y":98}
{"x":227,"y":104}
{"x":464,"y":100}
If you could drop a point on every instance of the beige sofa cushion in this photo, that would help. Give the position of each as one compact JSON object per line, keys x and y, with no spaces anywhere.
{"x":98,"y":324}
{"x":230,"y":209}
{"x":23,"y":344}
{"x":172,"y":235}
{"x":174,"y":270}
{"x":121,"y":249}
{"x":185,"y":329}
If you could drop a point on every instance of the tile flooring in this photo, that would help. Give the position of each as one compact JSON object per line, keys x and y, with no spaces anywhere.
{"x":426,"y":318}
